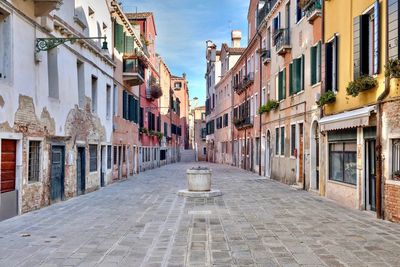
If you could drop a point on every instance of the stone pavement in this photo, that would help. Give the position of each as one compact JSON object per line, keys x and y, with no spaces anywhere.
{"x":142,"y":222}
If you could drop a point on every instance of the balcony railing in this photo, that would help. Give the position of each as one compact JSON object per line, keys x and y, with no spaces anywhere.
{"x":312,"y":10}
{"x":244,"y":122}
{"x":242,"y":85}
{"x":133,"y":72}
{"x":266,"y":55}
{"x":282,"y":41}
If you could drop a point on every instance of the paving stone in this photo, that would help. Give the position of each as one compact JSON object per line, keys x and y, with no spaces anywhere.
{"x":142,"y":222}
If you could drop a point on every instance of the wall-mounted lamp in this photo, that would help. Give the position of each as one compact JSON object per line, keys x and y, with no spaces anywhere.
{"x":45,"y":44}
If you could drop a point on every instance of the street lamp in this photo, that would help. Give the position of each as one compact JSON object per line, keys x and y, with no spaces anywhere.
{"x":45,"y":44}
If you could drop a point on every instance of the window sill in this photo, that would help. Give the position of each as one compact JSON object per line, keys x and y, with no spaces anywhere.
{"x":30,"y":183}
{"x":342,"y":184}
{"x":393,"y":182}
{"x":316,"y":84}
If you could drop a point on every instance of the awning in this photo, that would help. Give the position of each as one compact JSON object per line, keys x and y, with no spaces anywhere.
{"x":349,"y":119}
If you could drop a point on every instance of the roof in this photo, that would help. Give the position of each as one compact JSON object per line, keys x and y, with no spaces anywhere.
{"x":139,"y":15}
{"x":233,"y":50}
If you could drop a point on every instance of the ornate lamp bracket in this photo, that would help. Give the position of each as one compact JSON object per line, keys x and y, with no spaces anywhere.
{"x":45,"y":44}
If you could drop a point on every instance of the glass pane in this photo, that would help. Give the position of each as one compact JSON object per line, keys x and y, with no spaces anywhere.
{"x":350,"y":168}
{"x":336,"y":166}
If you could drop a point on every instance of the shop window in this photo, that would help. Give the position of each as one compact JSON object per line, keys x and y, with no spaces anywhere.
{"x":34,"y":161}
{"x":343,"y":162}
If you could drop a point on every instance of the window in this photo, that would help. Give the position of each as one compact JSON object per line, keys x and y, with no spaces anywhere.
{"x":81,"y":83}
{"x":115,"y":98}
{"x":299,"y":11}
{"x":331,"y":57}
{"x":115,"y":155}
{"x":282,"y":141}
{"x":226,"y":120}
{"x":93,"y":157}
{"x":178,"y":85}
{"x":315,"y":63}
{"x":343,"y":162}
{"x":257,"y":151}
{"x":108,"y":101}
{"x":366,"y":43}
{"x":94,"y":94}
{"x":109,"y":151}
{"x":123,"y":154}
{"x":5,"y":45}
{"x":263,"y":96}
{"x":204,"y":151}
{"x":119,"y":37}
{"x":281,"y":84}
{"x":34,"y":161}
{"x":292,"y":139}
{"x":276,"y":141}
{"x":296,"y":75}
{"x":165,"y":129}
{"x":396,"y":158}
{"x":52,"y":65}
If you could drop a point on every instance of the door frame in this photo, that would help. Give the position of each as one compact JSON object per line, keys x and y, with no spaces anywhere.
{"x":366,"y":188}
{"x":84,"y":165}
{"x":315,"y":159}
{"x":62,"y":145}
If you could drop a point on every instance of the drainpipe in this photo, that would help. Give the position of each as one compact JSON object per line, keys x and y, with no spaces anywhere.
{"x":379,"y":160}
{"x":260,"y":100}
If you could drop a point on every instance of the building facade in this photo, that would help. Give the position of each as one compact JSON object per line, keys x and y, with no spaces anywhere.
{"x":56,"y":112}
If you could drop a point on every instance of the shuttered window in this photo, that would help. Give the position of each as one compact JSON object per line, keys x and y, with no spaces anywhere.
{"x":331,"y":64}
{"x":276,"y":141}
{"x":119,"y":37}
{"x":131,"y":108}
{"x":282,"y":85}
{"x":109,"y":155}
{"x":315,"y":62}
{"x":282,"y":141}
{"x":165,"y":129}
{"x":366,"y":47}
{"x":124,"y":105}
{"x":296,"y":75}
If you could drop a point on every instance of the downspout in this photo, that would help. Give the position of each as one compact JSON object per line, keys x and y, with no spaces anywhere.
{"x":379,"y":160}
{"x":260,"y":100}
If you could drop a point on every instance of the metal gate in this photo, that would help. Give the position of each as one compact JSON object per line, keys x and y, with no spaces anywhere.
{"x":57,"y":173}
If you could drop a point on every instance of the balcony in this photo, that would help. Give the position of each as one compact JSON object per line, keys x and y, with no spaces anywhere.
{"x":247,"y":81}
{"x":44,"y":7}
{"x":312,"y":10}
{"x":282,"y":41}
{"x":244,"y":123}
{"x":266,"y":56}
{"x":133,"y":71}
{"x":154,"y":91}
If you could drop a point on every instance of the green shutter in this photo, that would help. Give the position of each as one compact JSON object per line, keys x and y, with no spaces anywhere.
{"x":131,"y":108}
{"x":298,"y":74}
{"x":302,"y":73}
{"x":124,"y":107}
{"x":291,"y":79}
{"x":119,"y":37}
{"x":129,"y":45}
{"x":284,"y":82}
{"x":313,"y":65}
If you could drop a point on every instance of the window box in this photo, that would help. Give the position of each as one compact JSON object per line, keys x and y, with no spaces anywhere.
{"x":361,"y":84}
{"x":326,"y":98}
{"x":271,"y":105}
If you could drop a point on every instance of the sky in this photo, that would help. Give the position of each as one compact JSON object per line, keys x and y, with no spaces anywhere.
{"x":184,"y":26}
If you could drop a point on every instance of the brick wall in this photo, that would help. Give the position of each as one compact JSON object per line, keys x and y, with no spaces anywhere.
{"x":392,"y":202}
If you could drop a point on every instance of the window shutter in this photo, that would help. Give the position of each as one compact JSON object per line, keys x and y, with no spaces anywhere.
{"x":141,"y":119}
{"x":376,"y":37}
{"x":335,"y":67}
{"x":313,"y":65}
{"x":119,"y":37}
{"x":291,"y":79}
{"x":302,"y":72}
{"x":131,"y":107}
{"x":129,"y":45}
{"x":280,"y":95}
{"x":318,"y":62}
{"x":284,"y":83}
{"x":135,"y":108}
{"x":328,"y":66}
{"x":124,"y":107}
{"x":357,"y":47}
{"x":393,"y":28}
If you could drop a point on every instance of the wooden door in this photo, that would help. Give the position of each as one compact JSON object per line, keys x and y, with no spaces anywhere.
{"x":8,"y":165}
{"x":80,"y":169}
{"x":57,"y":173}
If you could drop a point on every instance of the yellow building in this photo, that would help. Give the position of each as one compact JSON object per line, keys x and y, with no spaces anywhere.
{"x":362,"y":114}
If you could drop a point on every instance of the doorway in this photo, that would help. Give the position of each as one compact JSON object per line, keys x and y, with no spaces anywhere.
{"x":370,"y":174}
{"x":8,"y":192}
{"x":102,"y":165}
{"x":268,"y":155}
{"x":80,"y":171}
{"x":57,"y":173}
{"x":301,"y":155}
{"x":314,"y":141}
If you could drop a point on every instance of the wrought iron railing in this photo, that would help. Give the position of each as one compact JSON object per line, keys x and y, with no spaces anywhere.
{"x":311,"y":6}
{"x":282,"y":38}
{"x":243,"y":122}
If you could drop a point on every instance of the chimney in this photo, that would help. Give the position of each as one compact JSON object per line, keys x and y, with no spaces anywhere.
{"x":236,"y":38}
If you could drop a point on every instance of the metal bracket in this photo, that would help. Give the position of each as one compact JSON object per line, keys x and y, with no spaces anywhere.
{"x":45,"y":44}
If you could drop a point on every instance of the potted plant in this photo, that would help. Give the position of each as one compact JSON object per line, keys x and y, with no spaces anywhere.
{"x":143,"y":130}
{"x":271,"y":104}
{"x":392,"y":69}
{"x":361,"y":84}
{"x":151,"y":133}
{"x":396,"y":175}
{"x":160,"y":135}
{"x":326,"y":98}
